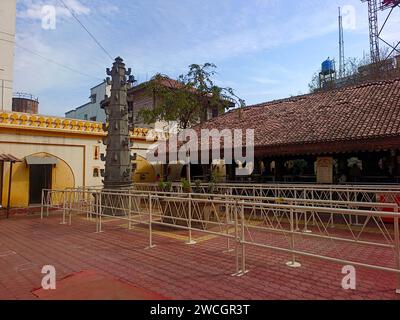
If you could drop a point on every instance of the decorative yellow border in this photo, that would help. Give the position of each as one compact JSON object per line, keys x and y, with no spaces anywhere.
{"x":25,"y":121}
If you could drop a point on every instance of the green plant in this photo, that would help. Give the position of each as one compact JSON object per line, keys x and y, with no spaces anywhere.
{"x":184,"y":100}
{"x":161,"y":184}
{"x":215,"y":177}
{"x":185,"y":185}
{"x":168,"y":186}
{"x":211,"y":187}
{"x":214,"y":180}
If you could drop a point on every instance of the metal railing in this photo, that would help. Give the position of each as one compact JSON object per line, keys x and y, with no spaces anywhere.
{"x":248,"y":224}
{"x":361,"y":193}
{"x":367,"y":197}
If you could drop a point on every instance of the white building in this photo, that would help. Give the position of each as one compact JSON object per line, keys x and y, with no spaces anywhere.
{"x":7,"y":40}
{"x":91,"y":111}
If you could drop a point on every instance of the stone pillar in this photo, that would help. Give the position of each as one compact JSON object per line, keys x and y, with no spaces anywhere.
{"x":118,"y":159}
{"x":118,"y":167}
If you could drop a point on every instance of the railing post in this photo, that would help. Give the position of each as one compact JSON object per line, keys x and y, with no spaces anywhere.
{"x":312,"y":213}
{"x":292,"y":263}
{"x":243,"y":271}
{"x":97,"y":206}
{"x":69,"y":207}
{"x":100,"y":211}
{"x":48,"y":197}
{"x":129,"y":211}
{"x":236,"y":240}
{"x":331,"y":200}
{"x":228,"y":224}
{"x":190,"y":240}
{"x":150,"y":223}
{"x":64,"y":207}
{"x":306,"y":230}
{"x":41,"y":208}
{"x":397,"y":247}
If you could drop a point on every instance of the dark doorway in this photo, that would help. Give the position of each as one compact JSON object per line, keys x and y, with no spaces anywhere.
{"x":39,"y":179}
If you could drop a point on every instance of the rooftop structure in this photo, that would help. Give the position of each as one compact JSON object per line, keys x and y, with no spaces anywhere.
{"x":360,"y":122}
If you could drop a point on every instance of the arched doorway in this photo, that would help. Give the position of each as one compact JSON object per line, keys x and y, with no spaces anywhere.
{"x":47,"y":171}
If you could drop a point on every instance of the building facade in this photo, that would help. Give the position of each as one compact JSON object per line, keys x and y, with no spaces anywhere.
{"x":92,"y":111}
{"x":57,"y":153}
{"x":349,"y":135}
{"x":138,"y":99}
{"x":7,"y":40}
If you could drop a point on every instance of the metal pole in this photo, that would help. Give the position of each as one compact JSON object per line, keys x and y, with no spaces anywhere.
{"x":48,"y":197}
{"x":306,"y":223}
{"x":331,"y":199}
{"x":297,"y":217}
{"x":190,"y":240}
{"x":236,"y":240}
{"x":100,"y":211}
{"x":397,"y":248}
{"x":69,"y":206}
{"x":41,"y":208}
{"x":150,"y":223}
{"x":129,"y":213}
{"x":9,"y":190}
{"x":348,"y":200}
{"x":242,"y":240}
{"x":64,"y":207}
{"x":292,"y":263}
{"x":228,"y":223}
{"x":97,"y":206}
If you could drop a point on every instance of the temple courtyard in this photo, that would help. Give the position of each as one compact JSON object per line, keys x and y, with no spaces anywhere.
{"x":117,"y":264}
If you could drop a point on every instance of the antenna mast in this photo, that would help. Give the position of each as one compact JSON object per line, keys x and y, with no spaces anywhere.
{"x":341,"y":47}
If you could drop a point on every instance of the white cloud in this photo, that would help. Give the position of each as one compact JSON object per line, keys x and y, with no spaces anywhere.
{"x":166,"y":36}
{"x":33,"y":10}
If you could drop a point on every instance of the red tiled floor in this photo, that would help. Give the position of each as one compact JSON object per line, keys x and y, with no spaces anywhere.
{"x":93,"y":285}
{"x":171,"y":269}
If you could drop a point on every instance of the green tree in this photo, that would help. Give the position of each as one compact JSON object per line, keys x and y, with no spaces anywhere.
{"x":186,"y":99}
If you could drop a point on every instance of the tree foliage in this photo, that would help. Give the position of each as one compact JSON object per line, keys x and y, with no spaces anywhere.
{"x":186,"y":99}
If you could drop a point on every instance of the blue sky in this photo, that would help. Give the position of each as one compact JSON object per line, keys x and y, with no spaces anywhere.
{"x":264,"y":49}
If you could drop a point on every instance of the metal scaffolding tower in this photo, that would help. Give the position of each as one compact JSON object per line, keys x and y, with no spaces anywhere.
{"x":374,"y":31}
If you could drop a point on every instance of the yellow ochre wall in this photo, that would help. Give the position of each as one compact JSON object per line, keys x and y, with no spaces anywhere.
{"x":76,"y":144}
{"x":62,"y":177}
{"x":144,"y":171}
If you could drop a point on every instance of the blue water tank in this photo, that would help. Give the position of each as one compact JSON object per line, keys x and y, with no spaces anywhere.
{"x":328,"y":66}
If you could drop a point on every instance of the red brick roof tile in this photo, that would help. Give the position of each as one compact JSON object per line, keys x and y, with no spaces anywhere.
{"x":351,"y":114}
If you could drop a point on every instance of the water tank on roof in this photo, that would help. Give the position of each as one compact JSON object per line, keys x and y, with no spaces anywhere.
{"x":328,"y":66}
{"x":24,"y":102}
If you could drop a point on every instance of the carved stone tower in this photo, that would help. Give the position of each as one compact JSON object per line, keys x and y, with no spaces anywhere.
{"x":118,"y":167}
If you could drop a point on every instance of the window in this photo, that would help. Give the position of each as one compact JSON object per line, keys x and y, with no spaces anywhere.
{"x":93,"y":118}
{"x":96,"y":152}
{"x":85,"y":117}
{"x":96,"y":172}
{"x":93,"y":98}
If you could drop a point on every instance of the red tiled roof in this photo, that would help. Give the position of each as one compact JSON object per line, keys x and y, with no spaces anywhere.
{"x":165,"y":81}
{"x":359,"y":113}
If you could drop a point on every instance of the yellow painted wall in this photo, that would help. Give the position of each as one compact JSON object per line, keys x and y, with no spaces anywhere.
{"x":19,"y":186}
{"x":62,"y":177}
{"x":144,"y":171}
